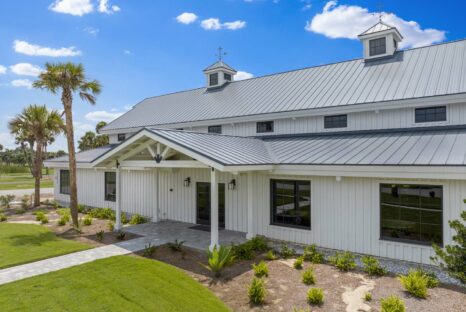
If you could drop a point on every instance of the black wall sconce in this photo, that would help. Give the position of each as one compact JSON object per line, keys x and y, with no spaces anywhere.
{"x":232,"y":184}
{"x":187,"y":182}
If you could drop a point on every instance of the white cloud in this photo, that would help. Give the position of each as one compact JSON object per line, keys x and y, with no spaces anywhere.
{"x":37,"y":50}
{"x":91,"y":31}
{"x":97,"y":116}
{"x":348,"y":21}
{"x":242,"y":75}
{"x":22,"y":83}
{"x":127,"y":52}
{"x":2,"y":69}
{"x":73,"y":7}
{"x":104,"y":7}
{"x":215,"y":24}
{"x":7,"y":140}
{"x":26,"y":69}
{"x":186,"y":18}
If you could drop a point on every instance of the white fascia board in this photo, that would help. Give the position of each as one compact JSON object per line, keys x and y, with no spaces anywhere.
{"x":402,"y":172}
{"x":343,"y":109}
{"x":65,"y":164}
{"x":162,"y":164}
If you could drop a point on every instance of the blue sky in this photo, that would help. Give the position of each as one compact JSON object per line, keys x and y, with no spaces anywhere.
{"x":143,"y":48}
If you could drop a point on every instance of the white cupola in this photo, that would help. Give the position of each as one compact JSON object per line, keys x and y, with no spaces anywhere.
{"x":379,"y":41}
{"x":219,"y":73}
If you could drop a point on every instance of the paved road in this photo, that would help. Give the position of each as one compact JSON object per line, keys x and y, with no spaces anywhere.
{"x":20,"y":193}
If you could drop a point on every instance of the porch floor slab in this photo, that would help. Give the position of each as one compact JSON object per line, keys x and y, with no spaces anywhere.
{"x":167,"y":231}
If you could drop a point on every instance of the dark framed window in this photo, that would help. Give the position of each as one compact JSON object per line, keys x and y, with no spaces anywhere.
{"x":264,"y":126}
{"x":291,"y":203}
{"x":227,"y":77}
{"x":336,"y":121}
{"x":377,"y":46}
{"x":213,"y":79}
{"x":110,"y":186}
{"x":430,"y":114}
{"x":411,"y":213}
{"x":121,"y":137}
{"x":214,"y":129}
{"x":64,"y":182}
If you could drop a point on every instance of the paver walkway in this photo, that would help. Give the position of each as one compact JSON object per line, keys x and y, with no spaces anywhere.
{"x":61,"y":262}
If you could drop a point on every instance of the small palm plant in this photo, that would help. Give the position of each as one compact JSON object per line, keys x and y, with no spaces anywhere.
{"x":218,"y":259}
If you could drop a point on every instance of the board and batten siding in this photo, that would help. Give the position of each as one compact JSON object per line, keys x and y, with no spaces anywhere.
{"x":345,"y":215}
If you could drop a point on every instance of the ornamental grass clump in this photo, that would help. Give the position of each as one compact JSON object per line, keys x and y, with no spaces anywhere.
{"x":260,"y":269}
{"x":149,"y":250}
{"x":368,"y":296}
{"x":315,"y":296}
{"x":287,"y":252}
{"x":298,"y":263}
{"x":308,"y":277}
{"x":312,"y":255}
{"x":344,"y":261}
{"x":271,"y":256}
{"x":63,"y":220}
{"x":415,"y":283}
{"x":372,"y":266}
{"x":87,"y":220}
{"x":392,"y":304}
{"x":218,"y":258}
{"x":256,"y":291}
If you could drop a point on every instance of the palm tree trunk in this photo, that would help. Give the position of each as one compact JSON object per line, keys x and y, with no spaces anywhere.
{"x":37,"y":173}
{"x":67,"y":100}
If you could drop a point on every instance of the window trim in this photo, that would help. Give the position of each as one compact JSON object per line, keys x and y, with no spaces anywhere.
{"x":105,"y":186}
{"x":339,"y":115}
{"x":61,"y":186}
{"x":121,"y":137}
{"x":377,"y":39}
{"x":408,"y":241}
{"x":281,"y":225}
{"x":214,"y":126}
{"x":264,"y":122}
{"x":430,"y":122}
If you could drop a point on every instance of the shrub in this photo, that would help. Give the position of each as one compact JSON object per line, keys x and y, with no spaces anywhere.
{"x":87,"y":220}
{"x":63,"y":220}
{"x":124,"y":218}
{"x":63,"y":211}
{"x":415,"y":283}
{"x":3,"y":217}
{"x":372,"y":266}
{"x":452,"y":258}
{"x":149,"y":250}
{"x":137,"y":219}
{"x":243,"y":251}
{"x":6,"y":199}
{"x":121,"y":235}
{"x":25,"y":201}
{"x":39,"y":215}
{"x":101,"y":213}
{"x":256,"y":291}
{"x":368,"y":296}
{"x":392,"y":304}
{"x":176,"y":246}
{"x":218,"y":259}
{"x":44,"y":220}
{"x":111,"y":226}
{"x":298,"y":263}
{"x":344,"y":261}
{"x":82,"y":208}
{"x":308,"y":277}
{"x":430,"y":277}
{"x":315,"y":296}
{"x":287,"y":252}
{"x":260,"y":269}
{"x":271,"y":255}
{"x":20,"y":211}
{"x":258,"y":244}
{"x":312,"y":255}
{"x":100,"y":235}
{"x":55,"y":204}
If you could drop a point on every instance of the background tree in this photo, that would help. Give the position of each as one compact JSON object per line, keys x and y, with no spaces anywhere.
{"x":69,"y":79}
{"x":35,"y":126}
{"x":92,"y":140}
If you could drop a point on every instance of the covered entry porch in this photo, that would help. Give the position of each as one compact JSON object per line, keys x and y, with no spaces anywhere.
{"x":218,"y":162}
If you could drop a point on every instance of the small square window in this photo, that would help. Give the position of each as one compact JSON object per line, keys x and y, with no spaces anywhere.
{"x":121,"y":137}
{"x":336,"y":121}
{"x":227,"y":77}
{"x":264,"y":126}
{"x":431,"y":114}
{"x":377,"y":46}
{"x":213,"y":79}
{"x":215,"y":129}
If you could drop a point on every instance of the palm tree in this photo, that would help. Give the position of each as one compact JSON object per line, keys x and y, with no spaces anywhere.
{"x":36,"y":126}
{"x":69,"y":78}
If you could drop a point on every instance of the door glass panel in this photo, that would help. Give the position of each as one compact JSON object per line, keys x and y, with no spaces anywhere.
{"x":203,"y":203}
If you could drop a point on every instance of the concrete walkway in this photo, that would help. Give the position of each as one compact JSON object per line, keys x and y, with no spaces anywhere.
{"x":20,"y":193}
{"x":62,"y":262}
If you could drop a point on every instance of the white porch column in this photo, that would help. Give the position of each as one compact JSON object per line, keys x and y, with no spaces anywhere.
{"x":250,"y":234}
{"x":155,"y":216}
{"x":118,"y":198}
{"x":213,"y":209}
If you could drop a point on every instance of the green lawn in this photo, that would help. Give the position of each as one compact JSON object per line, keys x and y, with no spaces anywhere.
{"x":16,"y":181}
{"x":23,"y":243}
{"x":123,"y":283}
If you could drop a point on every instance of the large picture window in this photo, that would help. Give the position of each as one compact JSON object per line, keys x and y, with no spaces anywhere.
{"x":291,"y":203}
{"x":64,"y":182}
{"x":411,"y":213}
{"x":110,"y":186}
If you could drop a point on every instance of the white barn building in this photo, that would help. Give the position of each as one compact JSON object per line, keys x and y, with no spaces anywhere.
{"x":366,"y":155}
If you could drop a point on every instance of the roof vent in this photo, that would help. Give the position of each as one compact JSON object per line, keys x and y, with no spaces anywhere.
{"x":380,"y":41}
{"x":219,"y":73}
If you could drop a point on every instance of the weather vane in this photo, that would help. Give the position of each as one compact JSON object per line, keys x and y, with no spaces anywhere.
{"x":220,"y":54}
{"x":380,"y":8}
